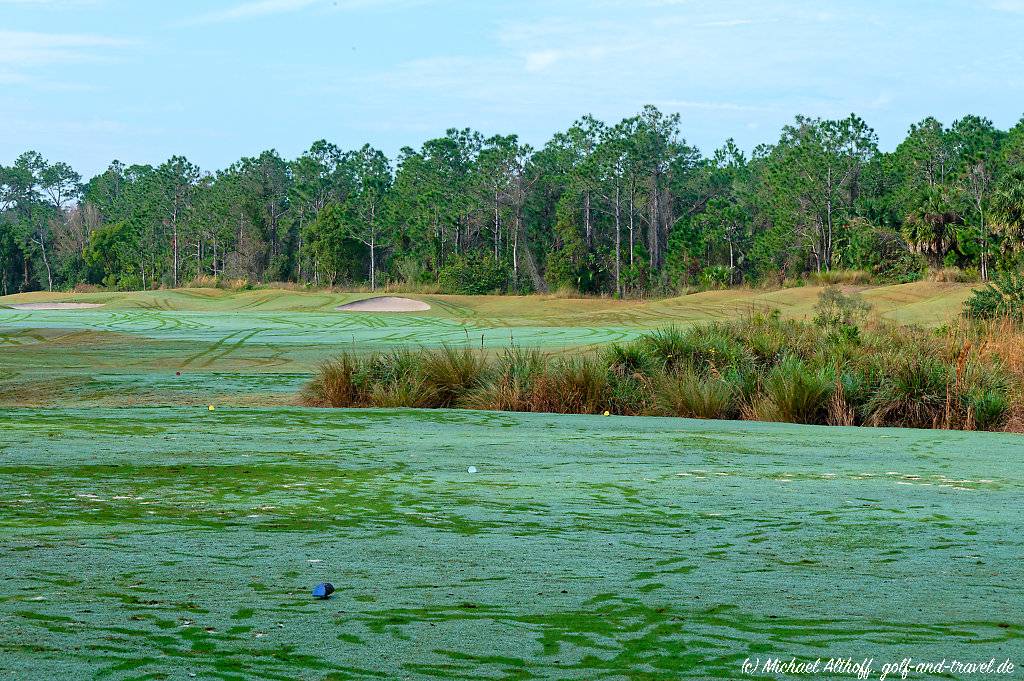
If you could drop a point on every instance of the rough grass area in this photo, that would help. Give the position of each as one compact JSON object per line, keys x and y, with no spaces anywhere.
{"x":831,"y":372}
{"x":160,"y":543}
{"x":255,"y":347}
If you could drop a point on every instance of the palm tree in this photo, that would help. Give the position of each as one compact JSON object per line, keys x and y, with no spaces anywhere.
{"x":1008,"y":210}
{"x":929,"y":227}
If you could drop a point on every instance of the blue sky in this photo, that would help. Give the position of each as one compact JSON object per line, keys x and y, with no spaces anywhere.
{"x":88,"y":81}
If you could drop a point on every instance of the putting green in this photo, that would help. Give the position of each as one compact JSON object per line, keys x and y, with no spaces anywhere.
{"x":160,"y":543}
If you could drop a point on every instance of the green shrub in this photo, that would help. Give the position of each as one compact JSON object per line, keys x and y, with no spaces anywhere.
{"x":989,"y":408}
{"x":714,"y":276}
{"x":838,"y":310}
{"x":882,"y":252}
{"x":387,"y":367}
{"x":766,"y":340}
{"x":913,"y":394}
{"x":857,"y":385}
{"x":475,"y":274}
{"x":715,"y":348}
{"x":629,"y":359}
{"x":630,"y":395}
{"x":1003,"y":297}
{"x":668,"y":346}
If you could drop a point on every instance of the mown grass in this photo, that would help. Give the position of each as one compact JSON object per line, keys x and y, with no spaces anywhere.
{"x":762,"y":367}
{"x":157,"y":543}
{"x":926,"y":303}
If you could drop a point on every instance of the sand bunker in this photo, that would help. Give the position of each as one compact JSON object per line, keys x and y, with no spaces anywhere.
{"x":385,"y":304}
{"x":53,"y":306}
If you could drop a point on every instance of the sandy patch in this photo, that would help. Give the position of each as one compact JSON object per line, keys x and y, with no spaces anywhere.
{"x":385,"y":304}
{"x":54,"y":306}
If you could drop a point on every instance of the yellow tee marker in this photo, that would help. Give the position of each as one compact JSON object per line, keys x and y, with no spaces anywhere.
{"x":607,"y":413}
{"x":212,"y":407}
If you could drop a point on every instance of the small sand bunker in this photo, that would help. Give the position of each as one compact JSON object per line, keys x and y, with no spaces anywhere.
{"x":385,"y":304}
{"x":54,"y":306}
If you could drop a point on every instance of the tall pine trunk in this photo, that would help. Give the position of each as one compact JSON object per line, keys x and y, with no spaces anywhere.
{"x":586,"y":218}
{"x":373,"y":261}
{"x":618,"y":243}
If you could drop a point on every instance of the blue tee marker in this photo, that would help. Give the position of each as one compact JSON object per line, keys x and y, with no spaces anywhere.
{"x":323,"y":590}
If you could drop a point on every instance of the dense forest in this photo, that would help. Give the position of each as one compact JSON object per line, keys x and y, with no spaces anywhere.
{"x":628,"y":209}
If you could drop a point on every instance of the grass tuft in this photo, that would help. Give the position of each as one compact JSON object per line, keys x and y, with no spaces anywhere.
{"x":839,"y":370}
{"x":335,"y":383}
{"x":793,"y":392}
{"x":452,"y":372}
{"x":690,"y":395}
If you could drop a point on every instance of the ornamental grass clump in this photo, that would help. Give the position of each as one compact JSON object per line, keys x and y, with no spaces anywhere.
{"x":452,"y":372}
{"x":686,"y":393}
{"x":512,"y":384}
{"x":575,"y":385}
{"x":407,"y":391}
{"x":336,"y":383}
{"x":670,"y":347}
{"x":630,"y":370}
{"x":793,"y":392}
{"x":912,"y":394}
{"x":839,"y":370}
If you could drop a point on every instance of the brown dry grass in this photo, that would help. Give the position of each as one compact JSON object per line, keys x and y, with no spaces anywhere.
{"x":953,"y":275}
{"x":1005,"y":340}
{"x":27,"y":392}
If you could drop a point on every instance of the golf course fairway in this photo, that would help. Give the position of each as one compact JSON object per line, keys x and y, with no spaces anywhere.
{"x":148,"y":543}
{"x":257,"y":347}
{"x":166,"y":508}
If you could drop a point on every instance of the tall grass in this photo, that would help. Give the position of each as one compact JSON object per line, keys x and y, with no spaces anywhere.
{"x":334,"y":384}
{"x":844,"y":277}
{"x":452,"y":372}
{"x":576,"y":385}
{"x":512,"y":383}
{"x":689,"y":394}
{"x":760,"y":367}
{"x":793,"y":392}
{"x":913,"y":394}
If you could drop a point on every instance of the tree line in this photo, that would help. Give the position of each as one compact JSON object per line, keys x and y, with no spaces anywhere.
{"x":626,"y":209}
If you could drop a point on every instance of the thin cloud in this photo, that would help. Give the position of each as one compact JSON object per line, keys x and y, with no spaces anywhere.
{"x":256,"y":9}
{"x":1014,"y":6}
{"x":542,"y":59}
{"x":29,"y":48}
{"x":727,"y":23}
{"x":27,"y":58}
{"x":251,"y":10}
{"x":50,"y":4}
{"x":709,"y":105}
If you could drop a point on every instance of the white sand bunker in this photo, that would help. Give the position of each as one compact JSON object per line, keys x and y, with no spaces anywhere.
{"x":385,"y":304}
{"x":54,"y":306}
